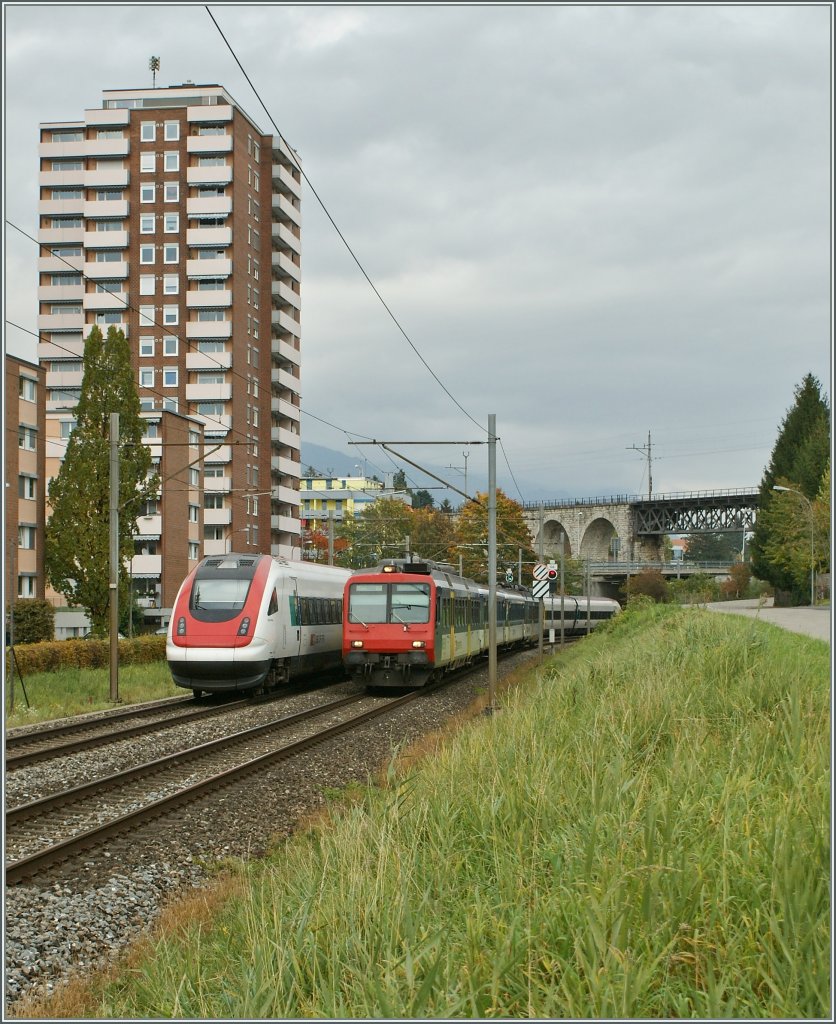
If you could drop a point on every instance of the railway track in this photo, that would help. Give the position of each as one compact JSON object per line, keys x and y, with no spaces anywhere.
{"x":57,"y":828}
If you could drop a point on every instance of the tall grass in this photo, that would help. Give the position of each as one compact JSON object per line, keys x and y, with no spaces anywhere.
{"x":643,"y":832}
{"x":74,"y":691}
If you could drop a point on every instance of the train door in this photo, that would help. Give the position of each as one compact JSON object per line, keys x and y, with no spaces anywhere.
{"x":294,"y":641}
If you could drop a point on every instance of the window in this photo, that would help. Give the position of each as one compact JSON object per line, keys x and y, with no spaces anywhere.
{"x":146,"y":316}
{"x":152,"y":429}
{"x":110,"y":225}
{"x":171,"y":161}
{"x":146,"y":254}
{"x":67,"y":193}
{"x":147,"y":131}
{"x":26,"y":537}
{"x":194,"y":513}
{"x":172,"y":131}
{"x":171,"y":192}
{"x":27,"y":438}
{"x":215,"y":285}
{"x":169,"y":345}
{"x":27,"y":487}
{"x":211,"y":254}
{"x":171,"y":222}
{"x":112,"y":256}
{"x":212,"y":378}
{"x":171,"y":253}
{"x":68,"y":165}
{"x":65,"y":309}
{"x":106,"y":195}
{"x":146,"y":224}
{"x":171,"y":284}
{"x":211,"y":161}
{"x":213,"y":501}
{"x":171,"y":316}
{"x":26,"y":585}
{"x":211,"y":129}
{"x":210,"y":346}
{"x":110,"y":287}
{"x":146,"y":284}
{"x":66,"y":250}
{"x":170,"y":404}
{"x":205,"y":315}
{"x":147,"y":193}
{"x":169,"y":376}
{"x":113,"y":317}
{"x":109,"y":133}
{"x":194,"y":477}
{"x":209,"y":408}
{"x":26,"y":389}
{"x":66,"y":222}
{"x":194,"y":437}
{"x":146,"y":347}
{"x":215,"y":472}
{"x":147,"y":162}
{"x":146,"y":377}
{"x":194,"y":550}
{"x":213,"y":533}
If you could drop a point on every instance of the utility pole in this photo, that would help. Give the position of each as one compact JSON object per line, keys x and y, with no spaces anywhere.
{"x":330,"y":538}
{"x":114,"y":557}
{"x":647,"y":450}
{"x":491,"y":563}
{"x":562,"y":590}
{"x":541,"y":611}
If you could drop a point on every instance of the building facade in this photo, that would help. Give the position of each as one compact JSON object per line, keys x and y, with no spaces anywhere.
{"x":169,"y":214}
{"x":24,"y":423}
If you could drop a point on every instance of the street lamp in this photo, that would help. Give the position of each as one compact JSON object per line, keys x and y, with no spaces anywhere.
{"x":776,"y":487}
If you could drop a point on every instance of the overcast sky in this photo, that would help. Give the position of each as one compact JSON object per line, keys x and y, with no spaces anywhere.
{"x":592,"y":221}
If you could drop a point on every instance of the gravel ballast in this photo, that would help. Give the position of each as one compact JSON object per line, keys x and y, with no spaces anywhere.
{"x":80,"y":916}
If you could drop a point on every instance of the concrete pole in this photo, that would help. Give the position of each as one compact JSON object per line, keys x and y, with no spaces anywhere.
{"x":114,"y":557}
{"x":541,"y":612}
{"x":491,"y":562}
{"x":588,"y":593}
{"x":12,"y":596}
{"x":562,"y":582}
{"x":330,"y":538}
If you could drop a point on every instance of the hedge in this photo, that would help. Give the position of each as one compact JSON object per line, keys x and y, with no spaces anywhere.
{"x":54,"y":655}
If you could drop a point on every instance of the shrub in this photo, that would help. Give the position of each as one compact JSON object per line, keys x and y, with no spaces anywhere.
{"x":58,"y":654}
{"x":34,"y":621}
{"x":648,"y":583}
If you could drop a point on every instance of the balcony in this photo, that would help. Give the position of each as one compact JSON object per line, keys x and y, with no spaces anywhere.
{"x":283,"y":322}
{"x":197,"y":269}
{"x":288,"y":437}
{"x":282,"y":154}
{"x":60,"y":264}
{"x":213,"y":426}
{"x":284,"y":182}
{"x":209,"y":300}
{"x":107,"y":209}
{"x":209,"y":175}
{"x":217,"y":516}
{"x":218,"y":484}
{"x":116,"y":177}
{"x":283,"y":379}
{"x":286,"y":495}
{"x":281,"y":407}
{"x":61,"y":236}
{"x":208,"y":360}
{"x":284,"y":352}
{"x":148,"y":566}
{"x":61,"y":207}
{"x":286,"y":467}
{"x":285,"y":524}
{"x":283,"y":239}
{"x":208,"y":392}
{"x":105,"y":271}
{"x":66,"y":350}
{"x":58,"y":293}
{"x":209,"y":144}
{"x":219,"y":206}
{"x":105,"y":300}
{"x":283,"y":266}
{"x":86,"y":148}
{"x":213,"y":238}
{"x":64,"y":380}
{"x":284,"y":210}
{"x":197,"y":330}
{"x":105,"y":239}
{"x":61,"y":179}
{"x":107,"y":118}
{"x":222,"y":455}
{"x":209,"y":114}
{"x":148,"y":526}
{"x":285,"y":294}
{"x":61,"y":322}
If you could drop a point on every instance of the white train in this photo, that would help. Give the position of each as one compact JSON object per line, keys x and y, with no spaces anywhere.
{"x":601,"y":609}
{"x":246,"y":622}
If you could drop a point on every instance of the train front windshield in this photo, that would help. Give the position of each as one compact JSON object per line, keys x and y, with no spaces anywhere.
{"x":220,"y":595}
{"x":389,"y":602}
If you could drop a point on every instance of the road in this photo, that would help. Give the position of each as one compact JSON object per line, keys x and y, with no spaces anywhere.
{"x":814,"y":622}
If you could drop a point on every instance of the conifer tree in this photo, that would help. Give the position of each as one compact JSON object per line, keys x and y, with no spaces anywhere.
{"x":77,"y":550}
{"x":799,"y":460}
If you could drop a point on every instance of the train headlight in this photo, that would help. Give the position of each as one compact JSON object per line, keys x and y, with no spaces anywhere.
{"x":181,"y":626}
{"x":356,"y":643}
{"x":244,"y":628}
{"x":418,"y":643}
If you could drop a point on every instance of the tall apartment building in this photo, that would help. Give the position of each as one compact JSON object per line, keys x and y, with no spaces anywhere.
{"x":168,"y":213}
{"x":24,"y":423}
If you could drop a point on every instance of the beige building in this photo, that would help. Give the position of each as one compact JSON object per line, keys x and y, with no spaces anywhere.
{"x":168,"y":213}
{"x":25,"y":479}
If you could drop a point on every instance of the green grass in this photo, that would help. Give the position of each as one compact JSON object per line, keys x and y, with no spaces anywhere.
{"x":74,"y":691}
{"x":642,"y":832}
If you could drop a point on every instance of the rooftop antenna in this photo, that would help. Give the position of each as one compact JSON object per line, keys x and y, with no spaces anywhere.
{"x":154,"y":65}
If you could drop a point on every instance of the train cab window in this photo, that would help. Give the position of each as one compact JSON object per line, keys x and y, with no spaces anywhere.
{"x":367,"y":602}
{"x":273,"y":607}
{"x":410,"y":602}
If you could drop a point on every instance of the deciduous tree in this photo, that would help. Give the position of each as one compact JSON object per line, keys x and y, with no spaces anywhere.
{"x":77,"y":549}
{"x":472,"y":536}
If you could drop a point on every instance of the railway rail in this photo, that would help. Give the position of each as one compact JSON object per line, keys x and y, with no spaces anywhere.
{"x":29,"y":861}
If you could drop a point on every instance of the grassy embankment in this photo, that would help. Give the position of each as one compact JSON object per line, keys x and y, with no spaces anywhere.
{"x":76,"y":691}
{"x":642,"y":832}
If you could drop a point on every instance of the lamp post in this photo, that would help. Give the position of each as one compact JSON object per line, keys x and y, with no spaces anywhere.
{"x":809,"y":504}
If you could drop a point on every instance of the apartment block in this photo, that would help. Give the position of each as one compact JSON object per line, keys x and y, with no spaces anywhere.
{"x":24,"y":423}
{"x":168,"y":213}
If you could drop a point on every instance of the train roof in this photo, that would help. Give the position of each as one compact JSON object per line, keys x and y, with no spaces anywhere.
{"x":441,"y":572}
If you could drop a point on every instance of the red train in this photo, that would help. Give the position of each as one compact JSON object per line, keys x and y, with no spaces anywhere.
{"x":405,"y":623}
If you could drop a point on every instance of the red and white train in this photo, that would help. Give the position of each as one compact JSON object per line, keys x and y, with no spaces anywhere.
{"x":406,"y":623}
{"x":250,"y":622}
